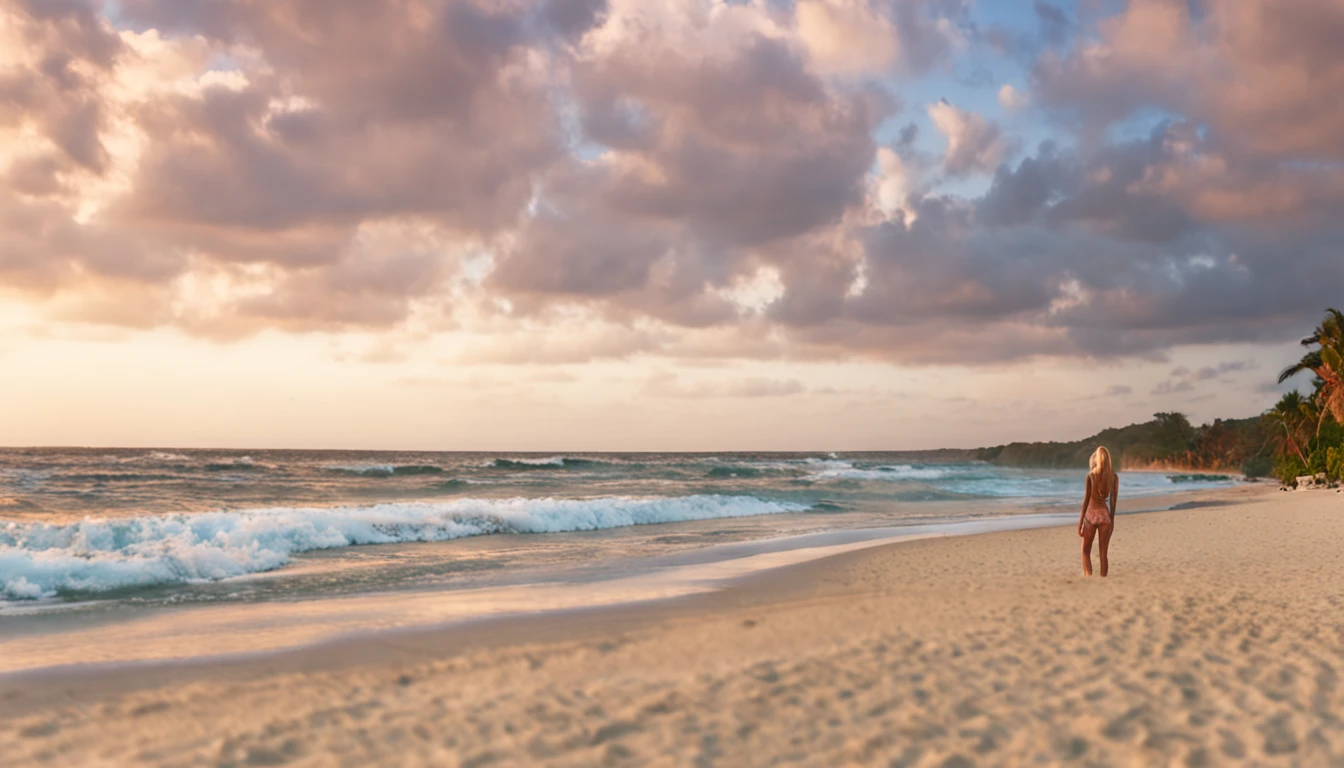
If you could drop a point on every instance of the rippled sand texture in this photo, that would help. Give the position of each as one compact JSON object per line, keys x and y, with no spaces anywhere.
{"x":1216,"y":641}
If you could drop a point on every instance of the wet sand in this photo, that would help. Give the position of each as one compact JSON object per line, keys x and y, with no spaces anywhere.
{"x":1217,"y":639}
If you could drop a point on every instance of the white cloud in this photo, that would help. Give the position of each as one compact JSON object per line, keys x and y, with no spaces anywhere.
{"x":893,"y":184}
{"x":1011,"y":99}
{"x":755,"y":292}
{"x":847,"y":36}
{"x":973,"y":143}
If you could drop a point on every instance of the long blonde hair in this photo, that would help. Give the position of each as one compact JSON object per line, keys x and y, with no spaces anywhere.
{"x":1099,"y":466}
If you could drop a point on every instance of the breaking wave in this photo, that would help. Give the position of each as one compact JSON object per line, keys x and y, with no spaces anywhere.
{"x":747,"y":471}
{"x":39,"y":560}
{"x":384,"y":470}
{"x":241,"y":464}
{"x":553,"y":462}
{"x":895,"y":473}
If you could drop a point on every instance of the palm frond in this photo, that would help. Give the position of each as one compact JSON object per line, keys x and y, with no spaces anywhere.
{"x":1337,"y":318}
{"x":1309,"y":362}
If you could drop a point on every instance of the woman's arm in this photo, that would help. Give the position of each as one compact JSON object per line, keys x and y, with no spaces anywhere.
{"x":1115,"y":494}
{"x":1087,"y":496}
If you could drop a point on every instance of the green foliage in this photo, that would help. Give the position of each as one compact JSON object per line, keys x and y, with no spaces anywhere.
{"x":1257,"y":466}
{"x":1322,"y":451}
{"x":1334,"y":463}
{"x":1316,"y":460}
{"x":1327,"y":362}
{"x":1307,"y":431}
{"x":1288,"y":469}
{"x":1168,"y":441}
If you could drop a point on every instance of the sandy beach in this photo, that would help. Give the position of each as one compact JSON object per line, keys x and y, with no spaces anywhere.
{"x":1215,"y":640}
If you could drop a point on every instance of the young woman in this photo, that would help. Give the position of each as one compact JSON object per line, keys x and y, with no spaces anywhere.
{"x":1098,"y":517}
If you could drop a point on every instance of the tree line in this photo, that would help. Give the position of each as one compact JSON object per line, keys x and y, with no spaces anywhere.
{"x":1168,"y":442}
{"x":1303,"y":434}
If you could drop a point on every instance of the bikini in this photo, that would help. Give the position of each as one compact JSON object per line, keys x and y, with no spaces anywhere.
{"x":1098,"y":511}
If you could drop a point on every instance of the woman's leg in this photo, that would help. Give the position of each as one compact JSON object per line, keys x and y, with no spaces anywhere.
{"x":1105,"y":539}
{"x":1089,"y":531}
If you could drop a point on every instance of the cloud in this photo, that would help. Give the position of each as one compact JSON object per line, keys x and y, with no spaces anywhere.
{"x":867,"y":37}
{"x":1209,"y":373}
{"x":1253,"y":69}
{"x":1183,"y":379}
{"x":580,"y":180}
{"x":1222,"y":369}
{"x":334,"y":124}
{"x":50,"y":85}
{"x":847,"y":37}
{"x":715,"y":154}
{"x":1054,"y":23}
{"x":1012,"y":99}
{"x":1170,"y":387}
{"x":1119,"y":390}
{"x":443,"y":119}
{"x":665,"y":384}
{"x":973,"y":142}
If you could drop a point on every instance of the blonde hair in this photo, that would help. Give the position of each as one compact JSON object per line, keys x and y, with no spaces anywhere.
{"x":1100,"y":464}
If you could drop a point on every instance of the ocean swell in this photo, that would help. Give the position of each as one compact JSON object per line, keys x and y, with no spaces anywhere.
{"x":891,"y":473}
{"x":384,"y":470}
{"x":553,"y":462}
{"x":39,"y":560}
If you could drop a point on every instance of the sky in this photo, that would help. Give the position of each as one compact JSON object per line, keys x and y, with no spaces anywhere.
{"x":658,"y":224}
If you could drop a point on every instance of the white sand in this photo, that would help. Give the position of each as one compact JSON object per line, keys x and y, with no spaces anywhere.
{"x":1217,"y":639}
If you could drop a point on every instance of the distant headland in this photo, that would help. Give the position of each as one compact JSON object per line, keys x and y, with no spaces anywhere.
{"x":1168,"y":442}
{"x":1300,"y":435}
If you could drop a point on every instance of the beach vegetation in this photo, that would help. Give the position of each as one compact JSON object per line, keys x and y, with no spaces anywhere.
{"x":1303,"y":434}
{"x":1308,"y":430}
{"x":1168,"y":442}
{"x":1290,"y":423}
{"x":1256,"y":466}
{"x":1334,"y":464}
{"x":1326,"y":360}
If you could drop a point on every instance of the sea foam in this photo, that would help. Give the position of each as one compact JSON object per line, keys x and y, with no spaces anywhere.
{"x":843,"y":470}
{"x":383,"y":470}
{"x":40,"y":560}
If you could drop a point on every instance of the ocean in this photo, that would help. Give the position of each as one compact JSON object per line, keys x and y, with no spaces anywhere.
{"x":85,"y":529}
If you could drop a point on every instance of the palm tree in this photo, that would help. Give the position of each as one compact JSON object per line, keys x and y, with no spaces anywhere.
{"x":1327,"y":363}
{"x":1294,"y":414}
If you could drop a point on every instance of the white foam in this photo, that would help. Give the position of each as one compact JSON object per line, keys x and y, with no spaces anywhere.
{"x":39,"y":560}
{"x":156,"y":456}
{"x":551,"y":461}
{"x":828,"y":463}
{"x":361,"y":469}
{"x":893,"y":473}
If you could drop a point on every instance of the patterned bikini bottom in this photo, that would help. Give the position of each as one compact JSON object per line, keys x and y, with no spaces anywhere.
{"x":1098,"y":514}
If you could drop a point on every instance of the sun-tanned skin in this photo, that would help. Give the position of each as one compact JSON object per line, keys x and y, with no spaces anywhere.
{"x":1087,"y":529}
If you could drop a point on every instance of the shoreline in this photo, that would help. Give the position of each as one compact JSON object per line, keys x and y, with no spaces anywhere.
{"x":1206,"y":645}
{"x":685,"y":576}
